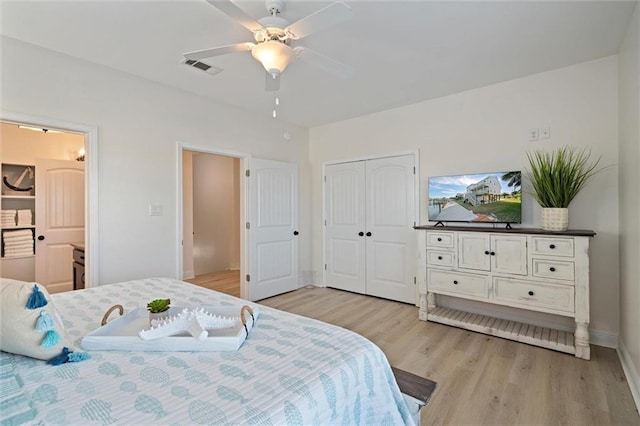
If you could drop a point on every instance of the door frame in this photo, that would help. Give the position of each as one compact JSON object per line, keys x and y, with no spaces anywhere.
{"x":244,"y":193}
{"x":416,"y":180}
{"x":90,"y":133}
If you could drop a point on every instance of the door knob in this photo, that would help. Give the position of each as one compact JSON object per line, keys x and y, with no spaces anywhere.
{"x":361,"y":233}
{"x":368,"y":234}
{"x":40,"y":237}
{"x":295,"y":232}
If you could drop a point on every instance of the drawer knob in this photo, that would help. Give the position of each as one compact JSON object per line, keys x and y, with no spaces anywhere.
{"x":552,"y":269}
{"x":368,"y":234}
{"x":493,"y":253}
{"x":361,"y":233}
{"x":455,"y":281}
{"x":531,"y":293}
{"x":439,"y":257}
{"x":486,"y":252}
{"x":552,"y":246}
{"x":439,"y":239}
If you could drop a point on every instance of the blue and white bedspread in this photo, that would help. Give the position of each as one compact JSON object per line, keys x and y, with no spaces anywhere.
{"x":290,"y":371}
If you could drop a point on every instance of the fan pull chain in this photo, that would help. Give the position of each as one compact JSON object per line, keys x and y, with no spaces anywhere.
{"x":276,"y":103}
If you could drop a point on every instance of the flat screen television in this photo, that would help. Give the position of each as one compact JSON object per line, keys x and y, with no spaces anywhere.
{"x":480,"y":198}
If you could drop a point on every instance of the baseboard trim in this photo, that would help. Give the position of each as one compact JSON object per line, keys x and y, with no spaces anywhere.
{"x":187,"y":275}
{"x":630,"y":372}
{"x":602,"y":338}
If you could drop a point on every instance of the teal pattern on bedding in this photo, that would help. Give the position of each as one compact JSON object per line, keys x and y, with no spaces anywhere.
{"x":291,"y":370}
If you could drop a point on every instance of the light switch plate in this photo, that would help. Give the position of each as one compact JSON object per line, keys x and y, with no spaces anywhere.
{"x":534,"y":134}
{"x":155,"y":209}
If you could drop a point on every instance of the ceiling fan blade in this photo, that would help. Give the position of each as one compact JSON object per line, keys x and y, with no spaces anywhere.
{"x":217,"y":51}
{"x":237,"y":14}
{"x":331,"y":15}
{"x":321,"y":61}
{"x":271,"y":82}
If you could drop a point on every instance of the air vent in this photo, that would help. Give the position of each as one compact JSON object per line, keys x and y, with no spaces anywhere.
{"x":202,"y":66}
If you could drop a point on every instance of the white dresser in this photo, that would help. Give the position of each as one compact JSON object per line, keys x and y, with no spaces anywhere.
{"x":526,"y":269}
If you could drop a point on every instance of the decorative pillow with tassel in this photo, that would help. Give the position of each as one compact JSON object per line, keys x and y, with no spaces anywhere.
{"x":29,"y":324}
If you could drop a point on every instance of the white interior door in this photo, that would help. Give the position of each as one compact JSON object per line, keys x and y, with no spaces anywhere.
{"x":59,"y":221}
{"x":345,"y":226}
{"x":273,"y":229}
{"x":390,"y":237}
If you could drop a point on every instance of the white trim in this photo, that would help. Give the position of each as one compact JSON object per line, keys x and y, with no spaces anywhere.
{"x":630,"y":372}
{"x":603,"y":338}
{"x":244,"y":246}
{"x":416,"y":185}
{"x":91,"y":229}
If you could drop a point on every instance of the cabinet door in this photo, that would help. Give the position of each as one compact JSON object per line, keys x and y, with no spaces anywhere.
{"x":509,"y":254}
{"x":473,"y":251}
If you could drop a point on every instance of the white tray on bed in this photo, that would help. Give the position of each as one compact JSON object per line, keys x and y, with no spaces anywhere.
{"x":121,"y":334}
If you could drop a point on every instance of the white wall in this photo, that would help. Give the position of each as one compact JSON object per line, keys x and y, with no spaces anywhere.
{"x":486,"y":129}
{"x":629,"y":178}
{"x":213,"y":221}
{"x":139,"y":124}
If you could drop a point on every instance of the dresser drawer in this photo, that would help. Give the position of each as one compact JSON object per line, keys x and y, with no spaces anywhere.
{"x":555,"y":269}
{"x":550,"y":246}
{"x":440,"y":258}
{"x":457,"y":283}
{"x":78,"y":256}
{"x":532,"y":295}
{"x":440,"y":239}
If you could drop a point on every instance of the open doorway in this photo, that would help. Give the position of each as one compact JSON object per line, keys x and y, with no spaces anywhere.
{"x":211,"y":212}
{"x":43,"y":206}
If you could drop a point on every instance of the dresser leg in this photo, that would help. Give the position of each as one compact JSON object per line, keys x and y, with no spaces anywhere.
{"x":583,"y":349}
{"x":422,"y":313}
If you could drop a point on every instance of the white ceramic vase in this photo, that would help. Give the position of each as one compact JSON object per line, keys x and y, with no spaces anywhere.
{"x":555,"y":219}
{"x":153,"y":316}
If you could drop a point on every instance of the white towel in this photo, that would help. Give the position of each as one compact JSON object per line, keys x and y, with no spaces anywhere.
{"x":17,"y":237}
{"x":18,"y":254}
{"x":19,"y":250}
{"x":19,"y":233}
{"x":18,"y":246}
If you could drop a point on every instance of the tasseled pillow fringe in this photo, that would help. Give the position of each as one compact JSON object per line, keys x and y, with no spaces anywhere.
{"x":51,"y":339}
{"x":44,"y":322}
{"x":68,"y":356}
{"x":36,"y":299}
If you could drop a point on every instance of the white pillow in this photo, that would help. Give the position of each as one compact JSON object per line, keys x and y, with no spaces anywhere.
{"x":18,"y":334}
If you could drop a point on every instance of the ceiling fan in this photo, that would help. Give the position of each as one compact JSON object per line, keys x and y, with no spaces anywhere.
{"x":274,"y":37}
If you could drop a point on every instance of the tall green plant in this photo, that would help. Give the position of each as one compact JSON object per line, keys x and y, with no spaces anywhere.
{"x":557,"y":177}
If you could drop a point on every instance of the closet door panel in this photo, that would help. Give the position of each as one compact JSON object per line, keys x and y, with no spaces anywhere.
{"x":390,"y":217}
{"x":345,"y":220}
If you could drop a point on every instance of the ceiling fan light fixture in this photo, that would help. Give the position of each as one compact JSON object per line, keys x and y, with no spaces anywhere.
{"x":273,"y":55}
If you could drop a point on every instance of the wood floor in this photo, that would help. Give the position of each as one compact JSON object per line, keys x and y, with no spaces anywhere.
{"x":227,"y":282}
{"x":482,"y":380}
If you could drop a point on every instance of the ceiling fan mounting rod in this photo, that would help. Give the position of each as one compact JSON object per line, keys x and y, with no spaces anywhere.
{"x":274,"y":6}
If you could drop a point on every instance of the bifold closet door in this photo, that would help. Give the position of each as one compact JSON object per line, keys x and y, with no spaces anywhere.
{"x":345,"y":226}
{"x":390,"y":237}
{"x":369,"y":235}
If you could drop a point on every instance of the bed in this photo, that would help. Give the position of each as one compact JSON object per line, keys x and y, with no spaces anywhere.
{"x":291,"y":370}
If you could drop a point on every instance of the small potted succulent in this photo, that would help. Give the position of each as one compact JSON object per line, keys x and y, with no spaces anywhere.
{"x":158,"y":309}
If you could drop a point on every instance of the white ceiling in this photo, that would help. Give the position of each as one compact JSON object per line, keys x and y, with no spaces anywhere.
{"x":402,"y":51}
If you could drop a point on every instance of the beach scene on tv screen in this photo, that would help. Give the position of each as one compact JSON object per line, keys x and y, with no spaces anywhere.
{"x":482,"y":197}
